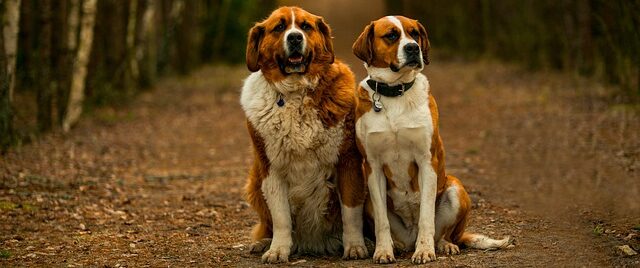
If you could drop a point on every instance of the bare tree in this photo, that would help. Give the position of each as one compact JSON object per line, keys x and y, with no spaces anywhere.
{"x":76,"y":95}
{"x":43,"y":79}
{"x":131,"y":63}
{"x":10,"y":17}
{"x":146,"y":51}
{"x":10,"y":24}
{"x":70,"y":23}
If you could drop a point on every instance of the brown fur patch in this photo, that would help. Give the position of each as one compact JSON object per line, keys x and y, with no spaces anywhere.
{"x":387,"y":172}
{"x":389,"y":175}
{"x":350,"y":178}
{"x":413,"y":174}
{"x":258,"y":172}
{"x":437,"y":147}
{"x":363,"y":104}
{"x":367,"y":169}
{"x":334,"y":97}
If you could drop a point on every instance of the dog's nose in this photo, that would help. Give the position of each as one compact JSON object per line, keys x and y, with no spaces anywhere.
{"x":412,"y":48}
{"x":294,"y":38}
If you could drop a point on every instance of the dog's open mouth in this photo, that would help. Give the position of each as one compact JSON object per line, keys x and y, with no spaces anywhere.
{"x":296,"y":62}
{"x":295,"y":58}
{"x":414,"y":64}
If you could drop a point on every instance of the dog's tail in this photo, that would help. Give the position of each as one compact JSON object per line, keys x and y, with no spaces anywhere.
{"x":479,"y":241}
{"x":459,"y":236}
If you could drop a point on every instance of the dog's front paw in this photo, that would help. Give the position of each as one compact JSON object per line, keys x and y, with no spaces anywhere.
{"x":447,"y":247}
{"x":423,"y":254}
{"x":354,"y":251}
{"x":276,"y":254}
{"x":384,"y":254}
{"x":260,"y":245}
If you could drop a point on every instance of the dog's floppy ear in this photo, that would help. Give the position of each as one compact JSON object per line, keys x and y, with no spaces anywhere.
{"x":253,"y":47}
{"x":326,"y":36}
{"x":424,"y":43}
{"x":363,"y":47}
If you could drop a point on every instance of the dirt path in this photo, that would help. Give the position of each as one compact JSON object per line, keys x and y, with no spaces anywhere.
{"x":159,"y":182}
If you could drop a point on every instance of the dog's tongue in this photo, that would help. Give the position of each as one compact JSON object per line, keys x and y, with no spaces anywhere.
{"x":295,"y":59}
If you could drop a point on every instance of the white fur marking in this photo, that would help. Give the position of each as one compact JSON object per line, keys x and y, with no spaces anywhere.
{"x":403,"y":40}
{"x":291,"y":30}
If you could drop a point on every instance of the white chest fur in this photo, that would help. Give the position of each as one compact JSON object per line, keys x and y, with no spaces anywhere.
{"x":397,"y":136}
{"x":301,"y":150}
{"x":294,"y":136}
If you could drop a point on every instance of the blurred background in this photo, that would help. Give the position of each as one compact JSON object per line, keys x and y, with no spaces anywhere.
{"x":133,"y":105}
{"x":133,"y":43}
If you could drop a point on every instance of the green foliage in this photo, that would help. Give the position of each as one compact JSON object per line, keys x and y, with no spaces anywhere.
{"x":5,"y":254}
{"x":598,"y":38}
{"x":7,"y":205}
{"x":598,"y":229}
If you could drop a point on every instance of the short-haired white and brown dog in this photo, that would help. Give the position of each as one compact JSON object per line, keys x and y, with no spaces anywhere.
{"x":412,"y":201}
{"x":306,"y":181}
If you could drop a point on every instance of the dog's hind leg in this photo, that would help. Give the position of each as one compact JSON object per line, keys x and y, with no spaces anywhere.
{"x":451,"y":216}
{"x":451,"y":220}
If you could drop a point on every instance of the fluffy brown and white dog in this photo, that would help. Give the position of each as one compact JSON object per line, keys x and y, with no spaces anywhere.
{"x":306,"y":181}
{"x":412,"y":200}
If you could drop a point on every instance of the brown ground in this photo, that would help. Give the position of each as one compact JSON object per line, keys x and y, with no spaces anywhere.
{"x":159,"y":182}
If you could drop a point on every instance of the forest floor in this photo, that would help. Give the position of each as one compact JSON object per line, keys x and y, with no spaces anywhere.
{"x":550,"y":160}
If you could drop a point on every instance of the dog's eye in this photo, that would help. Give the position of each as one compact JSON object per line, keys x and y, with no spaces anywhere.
{"x":279,"y":28}
{"x":306,"y":26}
{"x":415,"y":34}
{"x":393,"y":36}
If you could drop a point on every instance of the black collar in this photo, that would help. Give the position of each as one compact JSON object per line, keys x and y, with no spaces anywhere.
{"x":386,"y":90}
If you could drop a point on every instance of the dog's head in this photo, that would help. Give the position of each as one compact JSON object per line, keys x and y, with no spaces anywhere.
{"x":393,"y":42}
{"x":289,"y":41}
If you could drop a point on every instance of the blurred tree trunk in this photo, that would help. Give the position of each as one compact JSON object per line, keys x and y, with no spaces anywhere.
{"x":60,"y":74}
{"x":70,"y":44}
{"x":222,"y":27}
{"x":10,"y":18}
{"x":186,"y":46}
{"x":585,"y":53}
{"x":10,"y":27}
{"x":43,"y":84}
{"x":131,"y":64}
{"x":76,"y":95}
{"x":68,"y":23}
{"x":147,"y":48}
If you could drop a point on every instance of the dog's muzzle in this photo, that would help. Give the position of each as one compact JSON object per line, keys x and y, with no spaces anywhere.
{"x":412,"y":55}
{"x":295,"y":60}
